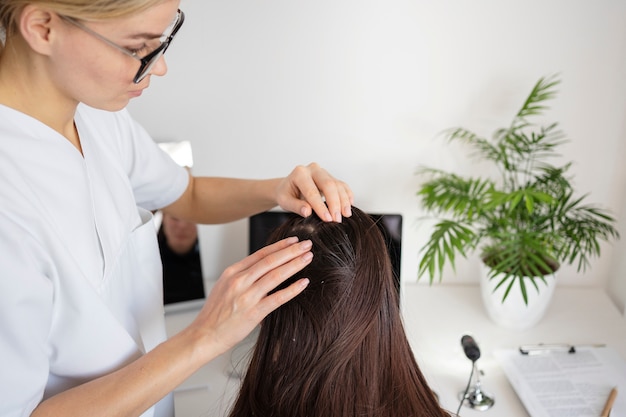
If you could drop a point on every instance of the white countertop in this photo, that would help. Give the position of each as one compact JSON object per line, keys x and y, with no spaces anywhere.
{"x":435,"y":320}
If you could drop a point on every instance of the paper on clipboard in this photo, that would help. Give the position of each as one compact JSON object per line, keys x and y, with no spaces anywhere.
{"x":562,"y":384}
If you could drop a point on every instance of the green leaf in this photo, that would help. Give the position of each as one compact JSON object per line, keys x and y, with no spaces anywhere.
{"x":448,"y":239}
{"x":522,"y":286}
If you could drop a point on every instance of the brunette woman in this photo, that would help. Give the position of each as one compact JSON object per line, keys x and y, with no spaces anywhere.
{"x":339,"y":349}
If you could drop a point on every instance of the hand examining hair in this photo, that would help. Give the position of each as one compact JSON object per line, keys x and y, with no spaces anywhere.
{"x":306,"y":188}
{"x":239,"y":300}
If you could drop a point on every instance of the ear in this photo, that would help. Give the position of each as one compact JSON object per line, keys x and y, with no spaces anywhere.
{"x":35,"y":24}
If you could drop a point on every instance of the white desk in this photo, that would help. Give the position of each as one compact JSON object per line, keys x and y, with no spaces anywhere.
{"x":435,"y":319}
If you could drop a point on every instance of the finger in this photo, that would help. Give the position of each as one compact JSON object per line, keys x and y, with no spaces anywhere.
{"x":265,"y":251}
{"x":328,"y":187}
{"x":337,"y":194}
{"x":311,"y":193}
{"x":277,"y":299}
{"x":270,"y":280}
{"x":340,"y":204}
{"x":278,"y":266}
{"x":347,"y":200}
{"x":339,"y":199}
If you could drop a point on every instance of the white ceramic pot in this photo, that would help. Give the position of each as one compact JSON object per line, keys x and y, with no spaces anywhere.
{"x":514,"y":313}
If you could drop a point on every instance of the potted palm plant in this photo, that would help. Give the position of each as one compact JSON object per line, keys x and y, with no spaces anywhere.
{"x":525,"y":223}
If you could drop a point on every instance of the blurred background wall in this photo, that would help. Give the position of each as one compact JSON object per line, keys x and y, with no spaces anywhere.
{"x":364,"y":87}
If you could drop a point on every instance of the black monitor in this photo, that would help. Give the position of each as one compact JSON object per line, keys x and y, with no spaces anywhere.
{"x":261,"y":226}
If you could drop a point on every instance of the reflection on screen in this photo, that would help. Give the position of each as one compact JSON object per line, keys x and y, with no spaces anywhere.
{"x":183,"y":283}
{"x":180,"y":256}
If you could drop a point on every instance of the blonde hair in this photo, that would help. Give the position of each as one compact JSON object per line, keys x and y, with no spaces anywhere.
{"x":79,"y":9}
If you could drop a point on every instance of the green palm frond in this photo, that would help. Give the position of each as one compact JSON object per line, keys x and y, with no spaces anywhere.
{"x":481,"y":146}
{"x":543,"y":91}
{"x":582,"y":227}
{"x":449,"y":193}
{"x":527,"y":221}
{"x":447,"y":240}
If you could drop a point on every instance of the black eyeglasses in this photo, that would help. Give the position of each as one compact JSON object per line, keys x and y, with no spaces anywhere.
{"x":147,"y":61}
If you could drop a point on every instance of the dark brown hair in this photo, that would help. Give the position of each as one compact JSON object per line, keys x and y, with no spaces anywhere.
{"x":339,"y":348}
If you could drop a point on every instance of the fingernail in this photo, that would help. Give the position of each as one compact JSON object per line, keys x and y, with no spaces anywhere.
{"x":304,"y":282}
{"x":338,"y":217}
{"x":305,"y":212}
{"x":307,"y":256}
{"x":348,"y":211}
{"x":328,"y":217}
{"x":306,"y":244}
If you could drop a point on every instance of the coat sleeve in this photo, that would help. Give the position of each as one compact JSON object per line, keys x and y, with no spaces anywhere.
{"x":26,"y":298}
{"x":157,"y":180}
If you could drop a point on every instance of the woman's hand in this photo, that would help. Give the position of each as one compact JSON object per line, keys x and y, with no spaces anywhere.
{"x":239,"y":300}
{"x":305,"y":189}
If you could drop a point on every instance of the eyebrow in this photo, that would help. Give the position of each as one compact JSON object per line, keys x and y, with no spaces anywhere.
{"x":146,"y":35}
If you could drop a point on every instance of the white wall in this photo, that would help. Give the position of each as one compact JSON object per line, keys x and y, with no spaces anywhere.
{"x":363,"y":87}
{"x":616,"y":286}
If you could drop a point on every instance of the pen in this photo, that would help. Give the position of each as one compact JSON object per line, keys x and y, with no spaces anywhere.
{"x":609,"y":403}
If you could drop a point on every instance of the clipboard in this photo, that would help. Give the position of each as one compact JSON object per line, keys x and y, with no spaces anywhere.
{"x":542,"y":348}
{"x":557,"y":380}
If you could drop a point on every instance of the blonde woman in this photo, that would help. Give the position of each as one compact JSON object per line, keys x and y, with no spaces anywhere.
{"x":81,"y":318}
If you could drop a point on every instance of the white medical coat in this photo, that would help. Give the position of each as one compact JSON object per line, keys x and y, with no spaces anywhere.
{"x":80,"y":274}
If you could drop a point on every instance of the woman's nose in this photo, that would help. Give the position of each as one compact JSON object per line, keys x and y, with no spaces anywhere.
{"x":160,"y":67}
